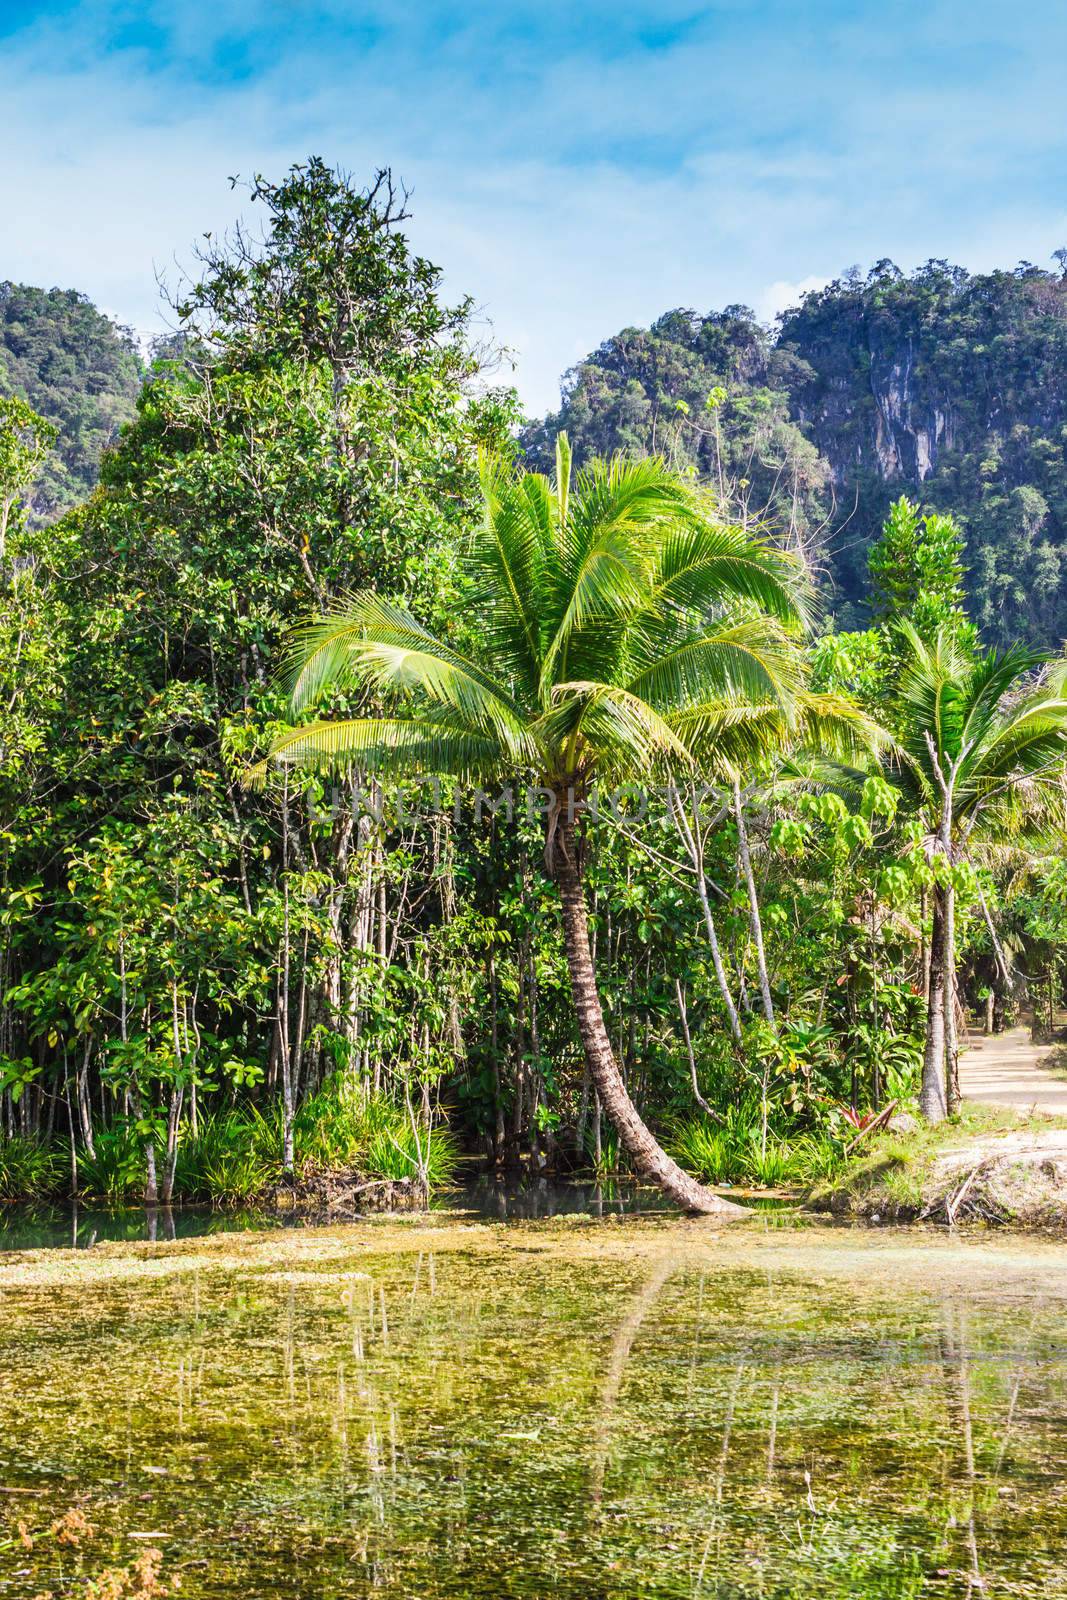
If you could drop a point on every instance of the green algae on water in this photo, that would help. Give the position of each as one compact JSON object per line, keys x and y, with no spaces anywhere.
{"x":641,"y":1409}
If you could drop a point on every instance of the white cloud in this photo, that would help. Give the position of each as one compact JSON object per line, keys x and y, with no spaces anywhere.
{"x":783,"y":296}
{"x":574,"y":191}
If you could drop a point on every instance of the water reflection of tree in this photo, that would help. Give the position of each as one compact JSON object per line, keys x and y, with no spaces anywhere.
{"x":956,"y":1366}
{"x":615,"y":1372}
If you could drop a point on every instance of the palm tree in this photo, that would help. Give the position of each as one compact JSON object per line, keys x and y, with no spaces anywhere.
{"x":981,"y":755}
{"x":619,"y":624}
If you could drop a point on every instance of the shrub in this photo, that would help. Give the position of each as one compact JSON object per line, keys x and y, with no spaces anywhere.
{"x":30,"y":1169}
{"x":392,"y":1153}
{"x":117,"y":1170}
{"x":734,"y":1152}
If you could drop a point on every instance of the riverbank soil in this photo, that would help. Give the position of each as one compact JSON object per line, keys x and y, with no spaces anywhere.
{"x":1003,"y":1161}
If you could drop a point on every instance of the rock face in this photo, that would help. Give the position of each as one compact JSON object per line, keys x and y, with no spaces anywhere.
{"x":946,"y":386}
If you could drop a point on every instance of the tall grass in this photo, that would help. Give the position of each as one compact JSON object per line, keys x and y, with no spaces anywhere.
{"x":610,"y":1158}
{"x":30,"y":1167}
{"x":734,"y":1151}
{"x":392,"y":1153}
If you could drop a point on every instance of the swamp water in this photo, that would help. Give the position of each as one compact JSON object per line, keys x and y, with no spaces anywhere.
{"x":574,"y":1408}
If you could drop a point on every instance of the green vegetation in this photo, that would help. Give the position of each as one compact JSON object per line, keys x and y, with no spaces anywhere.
{"x":234,"y":1155}
{"x":989,"y":1163}
{"x":79,"y":371}
{"x":578,"y":838}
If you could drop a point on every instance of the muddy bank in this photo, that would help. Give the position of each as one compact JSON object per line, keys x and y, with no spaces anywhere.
{"x":1016,"y":1177}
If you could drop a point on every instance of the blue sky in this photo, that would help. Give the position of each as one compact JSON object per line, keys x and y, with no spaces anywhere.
{"x":575,"y":167}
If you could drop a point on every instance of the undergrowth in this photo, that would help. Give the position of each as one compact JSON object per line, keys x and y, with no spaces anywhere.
{"x":236,"y":1152}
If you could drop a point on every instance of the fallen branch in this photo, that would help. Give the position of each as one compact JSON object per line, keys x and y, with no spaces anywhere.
{"x":873,"y":1127}
{"x":954,"y":1204}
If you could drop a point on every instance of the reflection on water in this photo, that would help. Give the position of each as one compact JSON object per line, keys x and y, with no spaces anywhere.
{"x":75,"y":1227}
{"x":579,"y":1410}
{"x":531,"y":1199}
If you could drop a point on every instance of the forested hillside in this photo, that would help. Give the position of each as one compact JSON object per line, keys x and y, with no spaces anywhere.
{"x":946,"y":385}
{"x":78,"y":369}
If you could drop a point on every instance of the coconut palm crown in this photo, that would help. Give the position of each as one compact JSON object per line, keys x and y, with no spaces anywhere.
{"x":621,"y":628}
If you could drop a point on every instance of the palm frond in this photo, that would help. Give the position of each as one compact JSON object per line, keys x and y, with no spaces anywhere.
{"x":749,"y":658}
{"x":596,"y":723}
{"x":372,"y":644}
{"x":701,"y":562}
{"x":507,"y":559}
{"x":606,"y":547}
{"x":386,"y":747}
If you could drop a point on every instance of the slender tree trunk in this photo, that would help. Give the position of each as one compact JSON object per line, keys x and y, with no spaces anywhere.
{"x":932,"y":1101}
{"x":84,"y":1110}
{"x":151,"y":1188}
{"x":170,"y":1163}
{"x":717,"y":961}
{"x":285,"y":1062}
{"x":755,"y":921}
{"x":683,"y":1013}
{"x":499,"y":1135}
{"x":693,"y":839}
{"x":952,"y":1042}
{"x":649,"y":1160}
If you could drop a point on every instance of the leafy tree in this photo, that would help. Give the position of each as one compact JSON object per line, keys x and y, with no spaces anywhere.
{"x":916,"y":570}
{"x":25,"y":441}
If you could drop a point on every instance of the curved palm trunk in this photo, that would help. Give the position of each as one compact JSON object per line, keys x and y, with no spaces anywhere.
{"x":649,"y":1160}
{"x":932,"y":1102}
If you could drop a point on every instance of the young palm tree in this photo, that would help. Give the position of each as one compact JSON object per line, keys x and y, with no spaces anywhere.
{"x":981,"y":755}
{"x":619,"y":625}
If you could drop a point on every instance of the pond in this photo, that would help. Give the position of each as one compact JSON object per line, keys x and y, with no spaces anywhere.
{"x":573,"y":1407}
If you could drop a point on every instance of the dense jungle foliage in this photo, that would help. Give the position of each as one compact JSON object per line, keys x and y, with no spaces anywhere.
{"x":206,"y":985}
{"x":79,"y":371}
{"x":942,"y":384}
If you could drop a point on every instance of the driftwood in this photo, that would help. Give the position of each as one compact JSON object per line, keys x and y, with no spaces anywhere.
{"x":339,"y":1196}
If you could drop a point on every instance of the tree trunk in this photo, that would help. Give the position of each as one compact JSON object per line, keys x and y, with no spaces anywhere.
{"x":952,"y":1038}
{"x":716,"y":959}
{"x":755,"y":921}
{"x":932,"y":1097}
{"x":649,"y":1160}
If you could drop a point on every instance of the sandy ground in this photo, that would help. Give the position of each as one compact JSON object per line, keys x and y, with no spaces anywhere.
{"x":1008,"y":1070}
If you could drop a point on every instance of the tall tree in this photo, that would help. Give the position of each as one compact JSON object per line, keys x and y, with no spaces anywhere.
{"x":613,"y":612}
{"x":982,"y":753}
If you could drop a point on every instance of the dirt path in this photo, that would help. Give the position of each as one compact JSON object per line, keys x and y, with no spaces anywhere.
{"x":1008,"y":1070}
